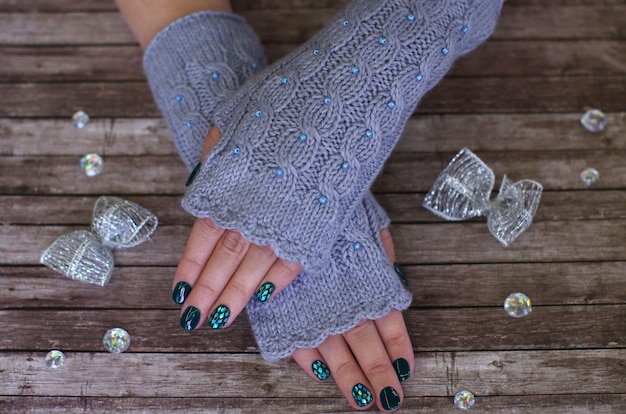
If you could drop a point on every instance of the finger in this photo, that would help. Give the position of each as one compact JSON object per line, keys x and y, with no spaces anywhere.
{"x":243,"y":285}
{"x":397,"y":341}
{"x":220,"y":268}
{"x":348,"y":375}
{"x":387,"y":241}
{"x":202,"y":240}
{"x":278,"y":277}
{"x":312,"y":362}
{"x":211,"y":139}
{"x":370,"y":352}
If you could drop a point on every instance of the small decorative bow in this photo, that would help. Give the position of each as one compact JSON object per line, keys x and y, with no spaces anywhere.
{"x":87,"y":256}
{"x":462,"y":191}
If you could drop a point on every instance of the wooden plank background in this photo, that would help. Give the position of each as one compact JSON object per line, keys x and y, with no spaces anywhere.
{"x":516,"y":102}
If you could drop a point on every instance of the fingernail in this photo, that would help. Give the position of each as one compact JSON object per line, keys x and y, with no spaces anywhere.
{"x":190,"y":318}
{"x":401,"y":274}
{"x":193,"y":174}
{"x":402,"y":368}
{"x":265,"y":291}
{"x":219,"y":317}
{"x":362,"y":395}
{"x":389,"y":399}
{"x":181,"y":290}
{"x":320,"y":370}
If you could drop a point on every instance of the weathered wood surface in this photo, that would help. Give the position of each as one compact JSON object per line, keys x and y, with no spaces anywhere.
{"x":516,"y":102}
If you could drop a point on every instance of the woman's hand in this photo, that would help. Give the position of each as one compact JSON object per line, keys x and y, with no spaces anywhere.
{"x":225,"y":271}
{"x":220,"y":271}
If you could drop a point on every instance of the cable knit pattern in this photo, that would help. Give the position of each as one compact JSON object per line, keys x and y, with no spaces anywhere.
{"x":193,"y":65}
{"x":357,"y":283}
{"x":182,"y":74}
{"x":305,"y":139}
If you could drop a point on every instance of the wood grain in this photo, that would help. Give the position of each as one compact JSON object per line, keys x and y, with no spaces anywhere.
{"x":516,"y":101}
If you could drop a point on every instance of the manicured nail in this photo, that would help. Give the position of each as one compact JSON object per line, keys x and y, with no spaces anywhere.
{"x":181,"y":290}
{"x":362,"y":395}
{"x":389,"y":399}
{"x":402,"y":369}
{"x":320,"y":370}
{"x":193,"y":174}
{"x":265,"y":291}
{"x":190,"y":318}
{"x":401,"y":274}
{"x":219,"y":317}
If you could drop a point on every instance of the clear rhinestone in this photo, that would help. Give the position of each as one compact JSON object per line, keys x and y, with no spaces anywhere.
{"x":464,"y":400}
{"x":594,"y":120}
{"x":590,"y":176}
{"x":80,"y":119}
{"x":518,"y":305}
{"x":92,"y":164}
{"x":116,"y":340}
{"x":55,"y":359}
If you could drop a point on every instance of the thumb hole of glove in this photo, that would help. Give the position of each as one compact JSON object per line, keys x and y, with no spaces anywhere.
{"x":387,"y":241}
{"x":211,"y":139}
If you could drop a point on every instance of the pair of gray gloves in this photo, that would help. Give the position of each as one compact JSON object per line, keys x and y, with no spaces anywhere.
{"x":303,"y":140}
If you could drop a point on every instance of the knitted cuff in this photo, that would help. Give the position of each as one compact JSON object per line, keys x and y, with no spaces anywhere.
{"x":303,"y":141}
{"x":357,"y":283}
{"x":193,"y":65}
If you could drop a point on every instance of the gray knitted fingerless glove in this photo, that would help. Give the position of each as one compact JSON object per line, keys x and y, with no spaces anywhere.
{"x":304,"y":140}
{"x":357,"y":283}
{"x":193,"y":65}
{"x":182,"y":74}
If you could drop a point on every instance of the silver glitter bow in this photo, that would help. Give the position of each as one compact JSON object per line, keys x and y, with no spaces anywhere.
{"x":87,"y":256}
{"x":462,"y":191}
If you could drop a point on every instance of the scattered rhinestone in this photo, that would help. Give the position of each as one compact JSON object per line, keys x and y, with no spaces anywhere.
{"x":518,"y":305}
{"x":55,"y":359}
{"x":116,"y":340}
{"x":92,"y":164}
{"x":594,"y":120}
{"x":80,"y":119}
{"x":590,"y":176}
{"x":464,"y":400}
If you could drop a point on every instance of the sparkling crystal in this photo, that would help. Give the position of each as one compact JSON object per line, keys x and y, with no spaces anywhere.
{"x":464,"y":400}
{"x":55,"y":359}
{"x":92,"y":164}
{"x":116,"y":340}
{"x":80,"y":119}
{"x":594,"y":120}
{"x":518,"y":305}
{"x":590,"y":176}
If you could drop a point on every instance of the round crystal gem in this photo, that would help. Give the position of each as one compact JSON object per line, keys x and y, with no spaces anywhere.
{"x":464,"y":400}
{"x":92,"y":164}
{"x":594,"y":120}
{"x":590,"y":176}
{"x":116,"y":340}
{"x":55,"y":359}
{"x":80,"y":119}
{"x":518,"y":305}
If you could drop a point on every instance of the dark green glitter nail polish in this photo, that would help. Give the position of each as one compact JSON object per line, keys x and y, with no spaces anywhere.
{"x":401,"y":274}
{"x":219,"y":317}
{"x":193,"y":174}
{"x":320,"y":370}
{"x":362,"y":395}
{"x":180,"y":293}
{"x":190,"y":318}
{"x":265,"y":291}
{"x":402,"y":368}
{"x":389,"y":399}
